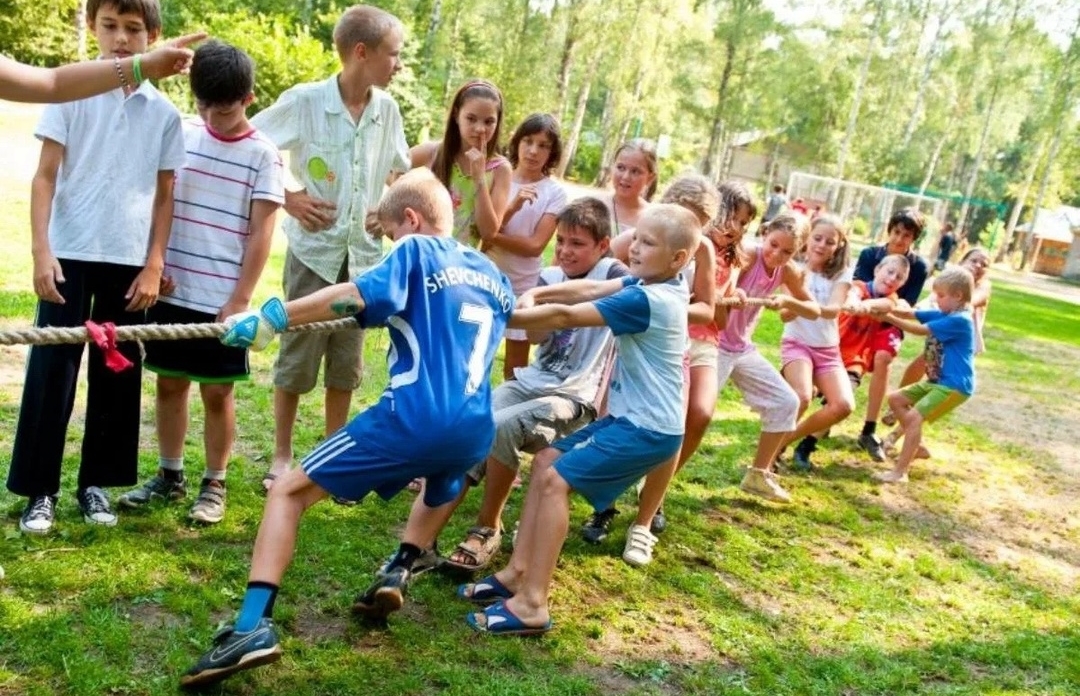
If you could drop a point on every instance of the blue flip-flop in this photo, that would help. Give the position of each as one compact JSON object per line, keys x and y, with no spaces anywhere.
{"x":500,"y":621}
{"x":485,"y":591}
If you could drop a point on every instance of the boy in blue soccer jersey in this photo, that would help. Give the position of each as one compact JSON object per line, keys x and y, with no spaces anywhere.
{"x":950,"y":365}
{"x":647,"y":312}
{"x":445,"y":307}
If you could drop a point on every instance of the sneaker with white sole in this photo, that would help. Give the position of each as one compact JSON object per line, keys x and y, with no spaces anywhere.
{"x":891,"y":476}
{"x":763,"y":484}
{"x":158,"y":488}
{"x":209,"y":507}
{"x":872,"y":446}
{"x":639,"y":545}
{"x":38,"y":516}
{"x":233,"y":652}
{"x":95,"y":506}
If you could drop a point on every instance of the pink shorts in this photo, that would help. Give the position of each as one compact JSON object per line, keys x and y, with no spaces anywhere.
{"x":822,"y":359}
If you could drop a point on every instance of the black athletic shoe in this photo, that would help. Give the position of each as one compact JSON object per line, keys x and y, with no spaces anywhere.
{"x":385,"y":596}
{"x":598,"y":525}
{"x":659,"y":522}
{"x":233,"y":652}
{"x":872,"y":445}
{"x":429,"y":560}
{"x":800,"y":460}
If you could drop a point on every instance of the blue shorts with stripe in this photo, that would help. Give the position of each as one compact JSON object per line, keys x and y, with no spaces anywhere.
{"x":606,"y":457}
{"x":374,"y":452}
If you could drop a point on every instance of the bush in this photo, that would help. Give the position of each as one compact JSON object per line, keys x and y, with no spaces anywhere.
{"x":39,"y":33}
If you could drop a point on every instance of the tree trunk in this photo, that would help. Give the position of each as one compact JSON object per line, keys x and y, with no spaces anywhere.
{"x":1044,"y":183}
{"x":605,"y":141}
{"x":579,"y":117}
{"x":566,"y":64}
{"x":80,"y":30}
{"x":1018,"y":207}
{"x":933,"y":163}
{"x":718,"y":113}
{"x":856,"y":102}
{"x":427,"y":52}
{"x":928,"y":68}
{"x":973,"y":178}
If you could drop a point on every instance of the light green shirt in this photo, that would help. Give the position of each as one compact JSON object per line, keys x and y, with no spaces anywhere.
{"x":340,"y":161}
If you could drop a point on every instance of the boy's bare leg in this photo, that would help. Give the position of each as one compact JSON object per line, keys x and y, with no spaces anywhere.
{"x":171,"y":415}
{"x":219,"y":429}
{"x":336,"y":409}
{"x":498,"y":482}
{"x":915,"y":371}
{"x":700,"y":405}
{"x":879,"y":385}
{"x":767,"y":449}
{"x":511,"y":575}
{"x":911,"y":421}
{"x":285,"y":406}
{"x":652,"y":493}
{"x":425,"y":522}
{"x":275,"y":544}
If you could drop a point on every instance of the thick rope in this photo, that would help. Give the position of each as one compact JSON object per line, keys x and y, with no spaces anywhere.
{"x":49,"y":335}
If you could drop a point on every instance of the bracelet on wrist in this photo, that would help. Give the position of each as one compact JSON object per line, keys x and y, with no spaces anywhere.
{"x":120,"y":72}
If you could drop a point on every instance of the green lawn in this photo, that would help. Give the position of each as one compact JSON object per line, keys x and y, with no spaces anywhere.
{"x":964,"y":582}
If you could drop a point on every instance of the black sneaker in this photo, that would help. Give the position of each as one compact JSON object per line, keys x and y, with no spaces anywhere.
{"x":598,"y":525}
{"x":385,"y":596}
{"x":801,"y":458}
{"x":233,"y":652}
{"x":872,"y":445}
{"x":95,"y":506}
{"x":38,"y":516}
{"x":659,"y":522}
{"x":429,"y":560}
{"x":159,"y":487}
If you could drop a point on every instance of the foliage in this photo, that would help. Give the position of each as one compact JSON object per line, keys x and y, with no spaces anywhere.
{"x":39,"y":33}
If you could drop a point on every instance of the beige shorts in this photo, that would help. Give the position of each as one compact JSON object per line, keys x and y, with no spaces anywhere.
{"x":296,"y":369}
{"x":702,"y":353}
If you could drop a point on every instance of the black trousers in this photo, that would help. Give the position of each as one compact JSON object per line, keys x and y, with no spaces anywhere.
{"x":110,"y":443}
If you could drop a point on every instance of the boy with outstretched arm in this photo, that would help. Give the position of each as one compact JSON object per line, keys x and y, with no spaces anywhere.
{"x":100,"y":212}
{"x":905,"y":228}
{"x":445,"y":307}
{"x":950,"y":364}
{"x":225,"y":201}
{"x":647,"y":312}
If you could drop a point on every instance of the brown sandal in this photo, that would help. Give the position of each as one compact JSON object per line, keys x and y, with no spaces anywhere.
{"x":479,"y":558}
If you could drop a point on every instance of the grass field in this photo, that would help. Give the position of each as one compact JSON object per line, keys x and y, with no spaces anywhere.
{"x":962,"y":582}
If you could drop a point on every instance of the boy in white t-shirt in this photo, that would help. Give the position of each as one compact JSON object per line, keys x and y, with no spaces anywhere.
{"x":100,"y":212}
{"x":223,"y":223}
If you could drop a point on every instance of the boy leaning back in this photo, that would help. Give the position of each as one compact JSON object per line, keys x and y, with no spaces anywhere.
{"x":223,"y":223}
{"x":100,"y":212}
{"x":647,"y":312}
{"x":445,"y":307}
{"x":950,"y":364}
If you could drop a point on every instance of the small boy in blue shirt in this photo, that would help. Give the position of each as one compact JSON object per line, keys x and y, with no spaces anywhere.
{"x":950,"y":369}
{"x":647,"y":312}
{"x":445,"y":307}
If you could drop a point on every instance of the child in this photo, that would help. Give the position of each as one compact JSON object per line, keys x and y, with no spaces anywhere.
{"x":535,"y":149}
{"x":647,"y":313}
{"x":905,"y":228}
{"x":633,"y":180}
{"x":345,"y":138}
{"x":698,"y":195}
{"x":445,"y":307}
{"x":554,"y":396}
{"x":949,"y":354}
{"x":810,"y":350}
{"x":467,"y":163}
{"x":767,"y":269}
{"x":100,"y":210}
{"x":223,"y":223}
{"x":24,"y":83}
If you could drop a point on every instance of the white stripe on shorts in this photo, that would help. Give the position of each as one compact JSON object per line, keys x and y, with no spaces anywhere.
{"x":326,"y":451}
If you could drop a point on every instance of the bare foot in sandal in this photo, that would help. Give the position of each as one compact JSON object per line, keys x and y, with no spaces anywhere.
{"x":476,"y":552}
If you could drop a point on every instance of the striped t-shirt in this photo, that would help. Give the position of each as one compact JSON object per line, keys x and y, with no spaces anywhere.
{"x":213,"y":196}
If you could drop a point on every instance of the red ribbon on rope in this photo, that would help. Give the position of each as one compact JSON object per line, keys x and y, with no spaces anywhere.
{"x":104,"y":337}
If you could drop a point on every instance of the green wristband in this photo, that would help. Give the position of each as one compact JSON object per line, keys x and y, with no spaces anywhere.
{"x":136,"y":69}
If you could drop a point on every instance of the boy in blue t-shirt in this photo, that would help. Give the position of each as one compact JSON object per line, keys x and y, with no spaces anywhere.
{"x":445,"y":307}
{"x":647,"y":312}
{"x":950,"y":370}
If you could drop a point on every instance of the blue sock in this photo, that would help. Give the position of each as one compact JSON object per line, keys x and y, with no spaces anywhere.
{"x":258,"y":603}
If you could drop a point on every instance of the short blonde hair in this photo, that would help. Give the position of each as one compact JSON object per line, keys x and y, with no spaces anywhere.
{"x":678,"y":227}
{"x":362,"y":24}
{"x":956,"y":280}
{"x":695,"y":193}
{"x":421,"y":192}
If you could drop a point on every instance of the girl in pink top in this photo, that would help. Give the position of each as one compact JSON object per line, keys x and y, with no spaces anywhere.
{"x":767,"y":269}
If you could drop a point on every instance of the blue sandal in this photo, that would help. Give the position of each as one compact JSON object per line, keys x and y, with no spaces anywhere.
{"x":485,"y":591}
{"x":500,"y":621}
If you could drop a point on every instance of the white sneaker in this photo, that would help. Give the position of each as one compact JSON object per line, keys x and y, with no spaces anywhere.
{"x":639,"y":545}
{"x":95,"y":506}
{"x":891,"y":476}
{"x":38,"y":516}
{"x":763,"y":484}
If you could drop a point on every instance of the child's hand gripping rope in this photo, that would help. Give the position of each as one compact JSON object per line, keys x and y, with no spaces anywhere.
{"x":255,"y":329}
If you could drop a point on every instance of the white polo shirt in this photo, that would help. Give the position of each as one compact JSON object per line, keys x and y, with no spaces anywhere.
{"x":113,"y":150}
{"x":339,"y":161}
